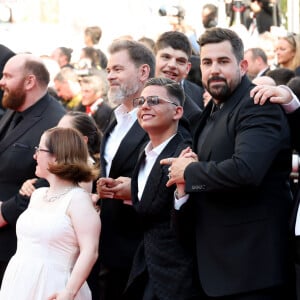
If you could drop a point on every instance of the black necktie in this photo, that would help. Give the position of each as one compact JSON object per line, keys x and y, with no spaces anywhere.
{"x":17,"y":117}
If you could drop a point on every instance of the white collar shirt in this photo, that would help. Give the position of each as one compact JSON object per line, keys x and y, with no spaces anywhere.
{"x":145,"y":169}
{"x":125,"y":120}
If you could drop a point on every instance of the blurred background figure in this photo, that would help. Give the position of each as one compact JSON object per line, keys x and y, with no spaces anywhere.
{"x":94,"y":101}
{"x":294,"y":85}
{"x":176,"y":16}
{"x":264,"y":15}
{"x":281,"y":75}
{"x":267,"y":41}
{"x":89,"y":59}
{"x":209,"y":15}
{"x":92,"y":36}
{"x":68,"y":89}
{"x":257,"y":62}
{"x":63,"y":56}
{"x":148,"y":42}
{"x":287,"y":50}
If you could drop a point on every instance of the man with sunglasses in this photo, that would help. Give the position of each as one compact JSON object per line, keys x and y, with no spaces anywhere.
{"x":162,"y":266}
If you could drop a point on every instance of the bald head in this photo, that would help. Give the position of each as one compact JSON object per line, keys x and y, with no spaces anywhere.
{"x":25,"y":80}
{"x":28,"y":64}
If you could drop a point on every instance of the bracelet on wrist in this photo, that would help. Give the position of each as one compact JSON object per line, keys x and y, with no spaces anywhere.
{"x":177,"y":195}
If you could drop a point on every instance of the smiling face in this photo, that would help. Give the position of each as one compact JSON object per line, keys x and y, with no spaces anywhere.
{"x":13,"y":84}
{"x":171,"y":63}
{"x":89,"y":95}
{"x":221,"y":72}
{"x":159,"y":120}
{"x":123,"y":76}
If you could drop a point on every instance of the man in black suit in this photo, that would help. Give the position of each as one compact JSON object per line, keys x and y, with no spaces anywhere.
{"x":30,"y":111}
{"x":172,"y":53}
{"x":234,"y":189}
{"x":162,"y":266}
{"x":130,"y":64}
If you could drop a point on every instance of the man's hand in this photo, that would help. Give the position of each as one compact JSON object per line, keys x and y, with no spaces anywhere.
{"x":178,"y":165}
{"x":28,"y":187}
{"x":119,"y":188}
{"x":276,"y":94}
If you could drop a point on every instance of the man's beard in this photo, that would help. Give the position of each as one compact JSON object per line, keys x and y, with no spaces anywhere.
{"x":221,"y":91}
{"x":13,"y":99}
{"x":117,"y":95}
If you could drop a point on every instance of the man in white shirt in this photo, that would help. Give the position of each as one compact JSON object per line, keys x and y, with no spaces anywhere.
{"x":130,"y":64}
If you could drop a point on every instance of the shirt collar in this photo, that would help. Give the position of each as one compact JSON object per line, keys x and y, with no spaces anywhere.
{"x":154,"y":152}
{"x":121,"y":113}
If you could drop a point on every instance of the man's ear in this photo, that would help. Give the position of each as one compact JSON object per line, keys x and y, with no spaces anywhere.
{"x":244,"y":66}
{"x":144,"y":72}
{"x":30,"y":81}
{"x":178,"y":113}
{"x":188,"y":68}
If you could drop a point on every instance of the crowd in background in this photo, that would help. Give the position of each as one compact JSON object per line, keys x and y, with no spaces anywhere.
{"x":99,"y":104}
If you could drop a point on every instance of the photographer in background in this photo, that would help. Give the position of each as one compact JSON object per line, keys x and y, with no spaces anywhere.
{"x":265,"y":14}
{"x":176,"y":16}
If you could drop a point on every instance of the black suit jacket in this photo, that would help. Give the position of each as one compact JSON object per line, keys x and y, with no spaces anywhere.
{"x":191,"y":116}
{"x":194,"y":91}
{"x":120,"y":231}
{"x":17,"y":163}
{"x":102,"y":115}
{"x":168,"y":264}
{"x":240,"y":196}
{"x":294,"y":122}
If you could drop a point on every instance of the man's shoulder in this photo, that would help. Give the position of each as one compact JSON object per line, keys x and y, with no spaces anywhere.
{"x":54,"y":104}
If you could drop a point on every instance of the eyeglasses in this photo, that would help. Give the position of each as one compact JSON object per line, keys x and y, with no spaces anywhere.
{"x":38,"y":149}
{"x":151,"y":101}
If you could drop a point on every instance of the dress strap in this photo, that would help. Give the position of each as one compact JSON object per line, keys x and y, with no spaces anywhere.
{"x":68,"y":197}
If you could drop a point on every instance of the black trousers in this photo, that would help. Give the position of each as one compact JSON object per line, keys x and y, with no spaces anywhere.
{"x":3,"y":265}
{"x":112,"y":282}
{"x":274,"y":293}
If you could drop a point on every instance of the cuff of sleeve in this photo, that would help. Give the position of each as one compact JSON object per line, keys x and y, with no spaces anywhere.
{"x":9,"y":211}
{"x":293,"y":104}
{"x":179,"y":202}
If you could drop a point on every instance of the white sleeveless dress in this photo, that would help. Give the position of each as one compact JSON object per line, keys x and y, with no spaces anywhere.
{"x":46,"y":252}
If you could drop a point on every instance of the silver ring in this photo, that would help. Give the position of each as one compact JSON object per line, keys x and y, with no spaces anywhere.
{"x":169,"y":169}
{"x":169,"y":160}
{"x":169,"y":175}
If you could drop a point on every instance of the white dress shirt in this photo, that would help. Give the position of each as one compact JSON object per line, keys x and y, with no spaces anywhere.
{"x":145,"y":169}
{"x":125,"y":121}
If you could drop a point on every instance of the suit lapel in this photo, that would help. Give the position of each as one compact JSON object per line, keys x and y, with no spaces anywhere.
{"x":23,"y":127}
{"x":202,"y":122}
{"x":158,"y":176}
{"x":128,"y":145}
{"x":5,"y":121}
{"x":220,"y":119}
{"x":103,"y":143}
